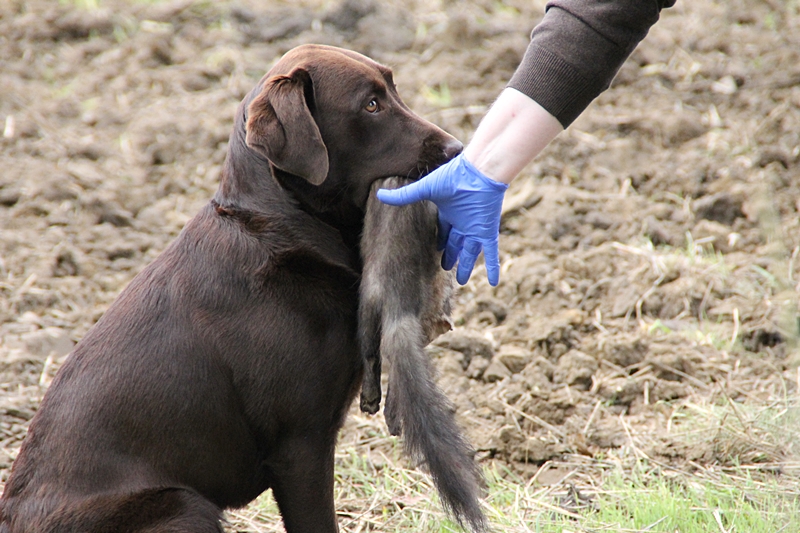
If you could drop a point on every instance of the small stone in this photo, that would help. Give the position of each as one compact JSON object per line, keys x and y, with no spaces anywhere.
{"x":535,"y":450}
{"x":538,"y":375}
{"x":681,"y":127}
{"x":668,"y":390}
{"x":194,"y":82}
{"x":575,"y":368}
{"x":774,"y":155}
{"x":9,"y":196}
{"x":724,"y":207}
{"x":626,"y":353}
{"x":657,"y":232}
{"x":515,"y":358}
{"x":468,"y":343}
{"x":621,"y":391}
{"x":600,"y":220}
{"x":65,"y":264}
{"x":477,"y":366}
{"x":496,"y":371}
{"x":496,"y":307}
{"x":726,"y":85}
{"x":718,"y":235}
{"x":509,"y":433}
{"x":625,"y":300}
{"x":543,"y":366}
{"x":29,"y":317}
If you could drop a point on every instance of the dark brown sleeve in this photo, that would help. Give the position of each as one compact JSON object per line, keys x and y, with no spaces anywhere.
{"x":577,"y":49}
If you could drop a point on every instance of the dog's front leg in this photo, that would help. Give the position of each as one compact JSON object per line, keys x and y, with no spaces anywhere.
{"x":302,"y":484}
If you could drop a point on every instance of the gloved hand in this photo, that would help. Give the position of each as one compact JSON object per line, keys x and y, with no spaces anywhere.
{"x":469,"y":214}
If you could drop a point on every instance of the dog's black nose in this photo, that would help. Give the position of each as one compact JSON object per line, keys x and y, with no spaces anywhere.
{"x":452,"y":148}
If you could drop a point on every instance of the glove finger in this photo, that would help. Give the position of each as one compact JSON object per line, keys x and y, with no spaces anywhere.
{"x":443,"y":234}
{"x":466,"y":260}
{"x":413,"y":192}
{"x":452,"y":250}
{"x":492,"y":258}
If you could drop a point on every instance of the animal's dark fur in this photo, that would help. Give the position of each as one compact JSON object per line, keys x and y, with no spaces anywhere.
{"x":400,"y":262}
{"x":404,"y":303}
{"x":226,"y":367}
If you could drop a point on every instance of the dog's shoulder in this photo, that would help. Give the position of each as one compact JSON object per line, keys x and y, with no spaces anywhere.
{"x":281,"y":239}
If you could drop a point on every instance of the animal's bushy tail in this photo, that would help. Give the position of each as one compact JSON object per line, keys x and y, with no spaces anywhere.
{"x":415,"y":405}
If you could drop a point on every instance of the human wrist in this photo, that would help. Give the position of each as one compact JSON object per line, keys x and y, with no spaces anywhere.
{"x":512,"y":133}
{"x":490,"y":167}
{"x":489,"y":180}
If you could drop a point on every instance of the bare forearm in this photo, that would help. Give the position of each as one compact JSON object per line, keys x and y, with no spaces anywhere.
{"x":512,"y":133}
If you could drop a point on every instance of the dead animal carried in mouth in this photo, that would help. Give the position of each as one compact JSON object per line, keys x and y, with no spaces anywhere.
{"x":404,"y":303}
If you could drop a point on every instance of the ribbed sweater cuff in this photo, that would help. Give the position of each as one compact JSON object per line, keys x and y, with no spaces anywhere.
{"x":553,"y":83}
{"x":568,"y":63}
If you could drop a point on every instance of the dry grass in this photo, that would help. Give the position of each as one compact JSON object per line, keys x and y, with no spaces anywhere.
{"x":621,"y":495}
{"x":747,"y":480}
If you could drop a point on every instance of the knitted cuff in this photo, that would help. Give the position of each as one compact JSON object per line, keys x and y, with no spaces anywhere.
{"x":566,"y":65}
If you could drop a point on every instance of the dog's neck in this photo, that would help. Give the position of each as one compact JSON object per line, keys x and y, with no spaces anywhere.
{"x":249,"y":182}
{"x":324,"y":203}
{"x":246,"y":181}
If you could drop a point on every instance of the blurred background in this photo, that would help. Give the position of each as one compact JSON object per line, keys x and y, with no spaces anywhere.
{"x":642,"y":346}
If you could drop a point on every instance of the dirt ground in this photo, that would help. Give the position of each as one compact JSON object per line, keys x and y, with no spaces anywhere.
{"x":649,"y":255}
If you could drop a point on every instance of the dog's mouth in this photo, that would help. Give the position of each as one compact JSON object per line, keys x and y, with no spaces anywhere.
{"x":419,"y":172}
{"x":434,"y":154}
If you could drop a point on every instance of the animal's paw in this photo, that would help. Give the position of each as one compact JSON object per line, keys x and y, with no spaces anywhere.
{"x":370,"y":401}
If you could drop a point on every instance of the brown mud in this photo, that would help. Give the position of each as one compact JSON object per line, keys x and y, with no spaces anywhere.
{"x":649,"y":255}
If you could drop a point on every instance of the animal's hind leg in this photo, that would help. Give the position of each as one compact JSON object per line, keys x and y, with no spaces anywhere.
{"x":369,"y":342}
{"x":159,"y":510}
{"x":198,"y":516}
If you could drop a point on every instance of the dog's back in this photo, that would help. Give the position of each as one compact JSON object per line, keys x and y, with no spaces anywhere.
{"x":404,"y":303}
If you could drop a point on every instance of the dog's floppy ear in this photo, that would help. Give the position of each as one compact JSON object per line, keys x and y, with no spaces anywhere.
{"x":280,"y":127}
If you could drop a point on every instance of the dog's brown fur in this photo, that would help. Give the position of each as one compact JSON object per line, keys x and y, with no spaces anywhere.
{"x":226,"y":366}
{"x":404,"y":303}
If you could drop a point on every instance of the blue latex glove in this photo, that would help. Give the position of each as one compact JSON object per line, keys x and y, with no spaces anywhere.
{"x":469,"y":214}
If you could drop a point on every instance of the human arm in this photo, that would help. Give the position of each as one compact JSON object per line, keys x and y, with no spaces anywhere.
{"x":512,"y":133}
{"x":573,"y":55}
{"x":577,"y":49}
{"x":469,"y":189}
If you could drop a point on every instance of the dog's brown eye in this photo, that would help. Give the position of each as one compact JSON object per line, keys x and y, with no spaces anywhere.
{"x":372,"y":106}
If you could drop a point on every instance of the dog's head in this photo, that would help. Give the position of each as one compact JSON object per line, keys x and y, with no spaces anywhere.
{"x":330,"y":122}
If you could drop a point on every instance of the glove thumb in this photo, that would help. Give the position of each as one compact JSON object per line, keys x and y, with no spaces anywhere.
{"x":413,"y":192}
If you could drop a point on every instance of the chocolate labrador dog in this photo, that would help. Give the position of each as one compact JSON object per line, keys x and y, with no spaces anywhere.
{"x":227,"y":365}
